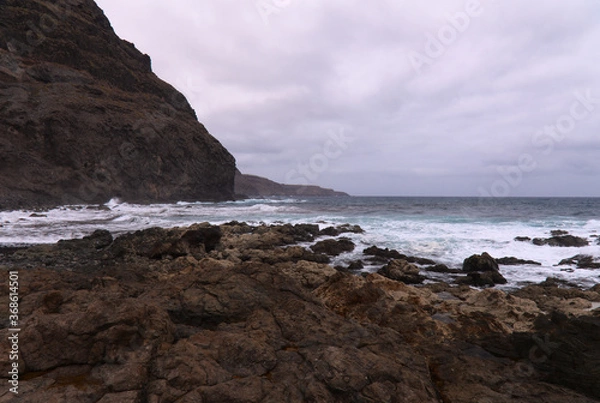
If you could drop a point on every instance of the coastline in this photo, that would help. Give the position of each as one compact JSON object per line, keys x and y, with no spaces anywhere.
{"x":238,"y":312}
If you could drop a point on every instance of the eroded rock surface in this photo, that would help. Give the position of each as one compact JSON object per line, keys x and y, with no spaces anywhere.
{"x":238,"y":313}
{"x":84,"y":119}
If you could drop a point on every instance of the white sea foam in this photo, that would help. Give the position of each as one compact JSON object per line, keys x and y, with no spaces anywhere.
{"x":444,"y":238}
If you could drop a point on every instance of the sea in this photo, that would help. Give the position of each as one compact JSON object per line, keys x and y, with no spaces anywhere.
{"x":444,"y":229}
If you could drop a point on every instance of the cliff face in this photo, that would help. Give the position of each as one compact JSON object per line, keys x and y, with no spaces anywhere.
{"x":252,"y":185}
{"x":83,"y":118}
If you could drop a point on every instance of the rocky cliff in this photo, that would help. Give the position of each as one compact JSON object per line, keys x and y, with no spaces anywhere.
{"x":83,"y":118}
{"x":256,"y":186}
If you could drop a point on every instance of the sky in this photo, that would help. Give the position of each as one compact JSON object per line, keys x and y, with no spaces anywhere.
{"x":391,"y":97}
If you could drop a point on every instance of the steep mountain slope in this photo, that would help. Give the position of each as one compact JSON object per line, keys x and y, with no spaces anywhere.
{"x":83,"y":118}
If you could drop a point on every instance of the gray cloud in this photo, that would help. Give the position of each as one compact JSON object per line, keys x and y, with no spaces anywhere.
{"x":274,"y":87}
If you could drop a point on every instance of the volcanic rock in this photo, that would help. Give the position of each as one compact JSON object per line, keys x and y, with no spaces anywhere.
{"x":333,"y":247}
{"x":582,"y":262}
{"x":341,"y":229}
{"x":482,"y":271}
{"x":442,"y":268}
{"x":562,"y":241}
{"x":483,"y":262}
{"x":483,"y":278}
{"x":513,"y":261}
{"x":383,"y":253}
{"x":211,"y":327}
{"x":401,"y":270}
{"x":388,"y":254}
{"x":83,"y":118}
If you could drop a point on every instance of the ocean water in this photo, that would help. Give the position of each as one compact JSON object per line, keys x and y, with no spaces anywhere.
{"x":447,"y":230}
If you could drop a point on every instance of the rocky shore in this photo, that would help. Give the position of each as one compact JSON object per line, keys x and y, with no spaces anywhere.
{"x":240,"y":313}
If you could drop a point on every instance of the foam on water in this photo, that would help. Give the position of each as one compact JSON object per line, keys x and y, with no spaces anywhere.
{"x":445,"y":230}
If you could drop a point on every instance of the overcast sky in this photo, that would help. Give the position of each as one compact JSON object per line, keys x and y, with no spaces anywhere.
{"x":390,"y":97}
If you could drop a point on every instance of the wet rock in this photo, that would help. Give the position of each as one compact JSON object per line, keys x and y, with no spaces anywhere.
{"x":306,"y":232}
{"x":341,"y":229}
{"x":561,"y":241}
{"x":348,"y":228}
{"x":388,"y":254}
{"x":483,"y":279}
{"x":483,"y":262}
{"x":582,"y":262}
{"x":482,"y":271}
{"x":383,"y":253}
{"x":356,"y":265}
{"x":522,"y":239}
{"x":402,"y":270}
{"x":333,"y":247}
{"x":442,"y":268}
{"x":329,"y":231}
{"x":513,"y":261}
{"x":559,"y":232}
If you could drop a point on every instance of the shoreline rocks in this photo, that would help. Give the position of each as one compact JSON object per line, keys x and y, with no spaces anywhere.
{"x":240,"y":313}
{"x":582,"y":262}
{"x":558,"y":238}
{"x":482,"y":270}
{"x":513,"y":261}
{"x":564,"y":241}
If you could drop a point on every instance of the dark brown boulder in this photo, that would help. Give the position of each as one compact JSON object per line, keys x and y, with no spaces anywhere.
{"x":84,"y":119}
{"x":582,"y":262}
{"x":482,"y":271}
{"x":562,"y":241}
{"x":483,"y":279}
{"x":341,"y":229}
{"x":513,"y":261}
{"x":388,"y":254}
{"x":483,"y":262}
{"x":383,"y":253}
{"x":402,"y":270}
{"x":333,"y":247}
{"x":442,"y":268}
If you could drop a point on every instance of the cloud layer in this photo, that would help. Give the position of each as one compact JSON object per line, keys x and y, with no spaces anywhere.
{"x":457,"y":98}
